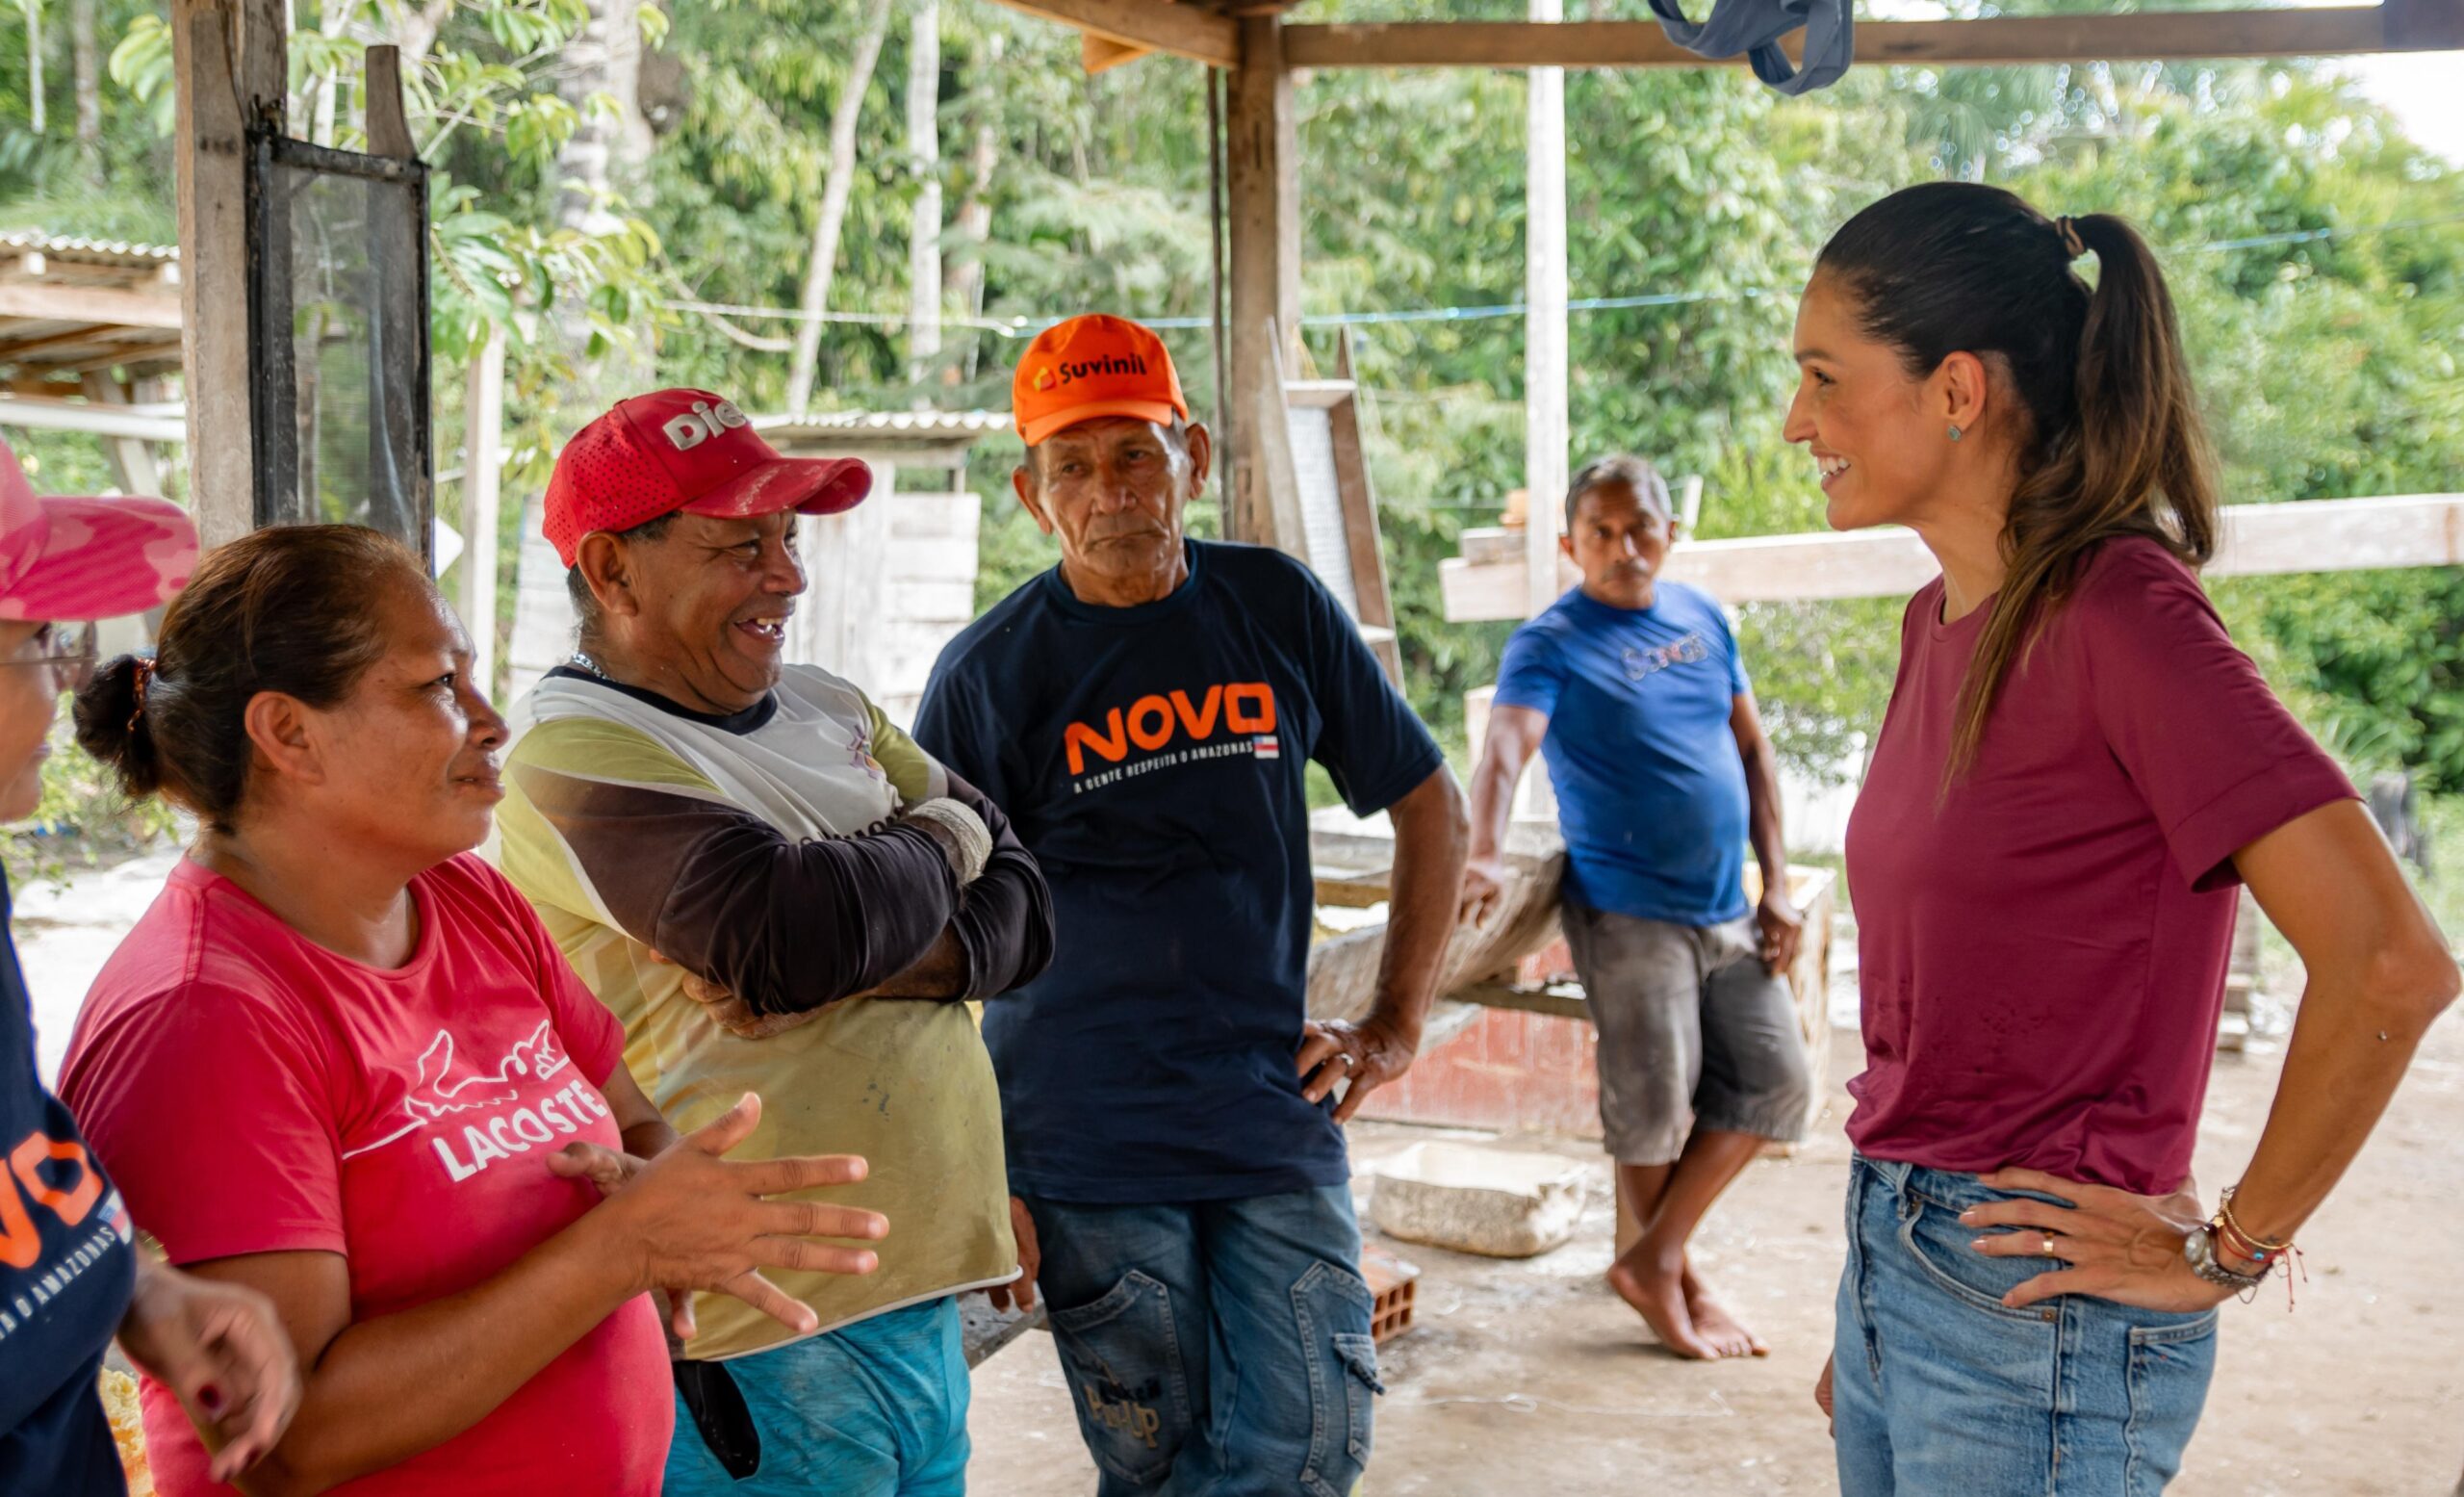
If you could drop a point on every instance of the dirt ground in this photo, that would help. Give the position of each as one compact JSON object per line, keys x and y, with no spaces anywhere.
{"x":1529,"y":1378}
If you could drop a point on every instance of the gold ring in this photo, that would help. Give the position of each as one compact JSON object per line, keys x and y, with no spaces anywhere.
{"x":2048,"y":1245}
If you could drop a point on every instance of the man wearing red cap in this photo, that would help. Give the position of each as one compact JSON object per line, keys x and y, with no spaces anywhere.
{"x":1145,"y":711}
{"x":777,"y":892}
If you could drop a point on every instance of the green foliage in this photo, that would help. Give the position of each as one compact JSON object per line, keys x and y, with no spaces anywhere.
{"x":2331,"y":354}
{"x":81,"y":820}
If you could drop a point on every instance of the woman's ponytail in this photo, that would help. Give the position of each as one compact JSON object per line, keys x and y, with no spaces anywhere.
{"x":111,"y":725}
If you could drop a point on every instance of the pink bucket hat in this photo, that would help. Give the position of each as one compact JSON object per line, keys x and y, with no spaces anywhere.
{"x":74,"y":559}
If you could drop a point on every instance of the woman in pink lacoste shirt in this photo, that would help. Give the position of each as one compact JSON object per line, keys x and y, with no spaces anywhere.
{"x":2076,"y":770}
{"x":340,"y":1062}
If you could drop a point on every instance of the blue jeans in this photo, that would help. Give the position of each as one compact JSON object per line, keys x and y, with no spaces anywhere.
{"x":873,"y":1409}
{"x":1219,"y":1346}
{"x":1938,"y":1388}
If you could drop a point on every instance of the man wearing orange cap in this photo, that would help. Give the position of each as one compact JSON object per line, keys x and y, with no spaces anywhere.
{"x":777,"y":892}
{"x":1145,"y":711}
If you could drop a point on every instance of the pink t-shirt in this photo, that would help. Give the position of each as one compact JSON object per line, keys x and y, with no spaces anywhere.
{"x":2043,"y":956}
{"x":255,"y":1093}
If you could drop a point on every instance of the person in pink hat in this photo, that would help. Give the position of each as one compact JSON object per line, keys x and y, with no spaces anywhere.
{"x":70,"y":1276}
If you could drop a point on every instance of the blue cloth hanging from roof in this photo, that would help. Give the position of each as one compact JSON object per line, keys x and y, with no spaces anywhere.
{"x":1755,"y":28}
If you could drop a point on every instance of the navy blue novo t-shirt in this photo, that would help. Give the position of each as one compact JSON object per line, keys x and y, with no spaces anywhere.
{"x":66,"y":1268}
{"x":1651,"y":788}
{"x":1151,"y":758}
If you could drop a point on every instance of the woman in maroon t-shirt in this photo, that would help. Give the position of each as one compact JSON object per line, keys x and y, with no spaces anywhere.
{"x":340,"y":1062}
{"x":2076,"y":769}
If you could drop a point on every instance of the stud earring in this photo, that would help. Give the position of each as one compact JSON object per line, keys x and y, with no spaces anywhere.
{"x":1956,"y":433}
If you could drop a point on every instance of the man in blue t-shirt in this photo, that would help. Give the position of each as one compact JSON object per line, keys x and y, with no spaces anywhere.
{"x":1145,"y":711}
{"x":1632,"y":688}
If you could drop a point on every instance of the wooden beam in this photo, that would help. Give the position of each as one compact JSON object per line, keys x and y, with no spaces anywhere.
{"x":2399,"y":26}
{"x":132,"y":458}
{"x":1547,"y":430}
{"x":1151,"y":25}
{"x":2314,"y":535}
{"x":1101,"y":54}
{"x":483,"y":486}
{"x":48,"y":413}
{"x":1262,"y":163}
{"x":227,"y":68}
{"x":51,"y":302}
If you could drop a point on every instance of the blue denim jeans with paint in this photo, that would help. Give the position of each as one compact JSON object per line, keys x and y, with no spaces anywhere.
{"x":1216,"y":1347}
{"x":873,"y":1409}
{"x":1939,"y":1391}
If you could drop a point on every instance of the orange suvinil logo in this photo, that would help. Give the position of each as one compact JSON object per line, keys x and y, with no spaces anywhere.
{"x":1044,"y":380}
{"x":1151,"y":722}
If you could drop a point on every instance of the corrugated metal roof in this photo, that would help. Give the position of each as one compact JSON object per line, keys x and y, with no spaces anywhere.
{"x":897,"y":423}
{"x":93,"y":251}
{"x":894,"y":423}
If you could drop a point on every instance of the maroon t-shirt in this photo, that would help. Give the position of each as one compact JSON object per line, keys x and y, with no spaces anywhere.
{"x":2043,"y":952}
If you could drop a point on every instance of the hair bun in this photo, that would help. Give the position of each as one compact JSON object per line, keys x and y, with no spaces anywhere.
{"x":111,"y":724}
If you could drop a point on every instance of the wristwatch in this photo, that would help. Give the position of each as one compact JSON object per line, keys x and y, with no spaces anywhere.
{"x":2198,"y":1250}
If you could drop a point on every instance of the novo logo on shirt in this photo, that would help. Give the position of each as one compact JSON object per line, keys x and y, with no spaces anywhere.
{"x":54,"y":1177}
{"x":1154,"y":722}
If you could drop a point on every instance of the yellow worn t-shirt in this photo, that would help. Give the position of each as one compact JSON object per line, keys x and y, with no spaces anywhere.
{"x":613,"y":805}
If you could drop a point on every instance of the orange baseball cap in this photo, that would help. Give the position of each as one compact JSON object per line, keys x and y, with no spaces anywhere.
{"x":1092,"y":366}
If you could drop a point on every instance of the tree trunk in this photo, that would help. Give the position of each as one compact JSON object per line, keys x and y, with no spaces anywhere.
{"x":34,"y":65}
{"x":606,"y":157}
{"x":86,"y":66}
{"x":924,"y":230}
{"x":824,"y":263}
{"x":966,"y":276}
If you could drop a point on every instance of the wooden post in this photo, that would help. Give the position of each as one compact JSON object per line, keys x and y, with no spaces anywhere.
{"x":482,"y":476}
{"x":132,"y":458}
{"x":924,"y":229}
{"x":227,"y":68}
{"x":1261,"y":170}
{"x":1544,"y":325}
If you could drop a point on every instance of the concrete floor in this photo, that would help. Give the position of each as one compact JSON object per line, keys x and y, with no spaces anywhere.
{"x":1528,"y":1377}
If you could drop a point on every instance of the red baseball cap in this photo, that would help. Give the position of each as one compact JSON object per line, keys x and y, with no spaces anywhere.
{"x":74,"y":559}
{"x":686,"y":449}
{"x":1093,"y":365}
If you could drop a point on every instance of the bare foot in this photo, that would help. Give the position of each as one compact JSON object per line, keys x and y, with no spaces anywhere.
{"x":1712,"y":1322}
{"x":1657,"y":1294}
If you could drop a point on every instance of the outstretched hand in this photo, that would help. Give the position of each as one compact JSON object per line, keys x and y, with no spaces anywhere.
{"x":693,"y":1220}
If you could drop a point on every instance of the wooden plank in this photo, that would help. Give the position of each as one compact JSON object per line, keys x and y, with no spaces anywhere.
{"x":101,"y":304}
{"x":2311,"y":535}
{"x":132,"y":458}
{"x":936,"y":516}
{"x":482,"y":503}
{"x":210,"y":152}
{"x":1546,"y":428}
{"x":1101,"y":54}
{"x":1368,"y":547}
{"x":1262,"y":161}
{"x":1182,"y":30}
{"x":2422,"y":25}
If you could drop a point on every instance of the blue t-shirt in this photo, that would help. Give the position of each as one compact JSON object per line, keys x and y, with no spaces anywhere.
{"x":1651,"y":788}
{"x":1151,"y":758}
{"x":67,"y":1269}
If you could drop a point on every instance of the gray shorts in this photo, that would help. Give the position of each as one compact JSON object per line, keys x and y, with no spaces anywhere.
{"x":1693,"y":1033}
